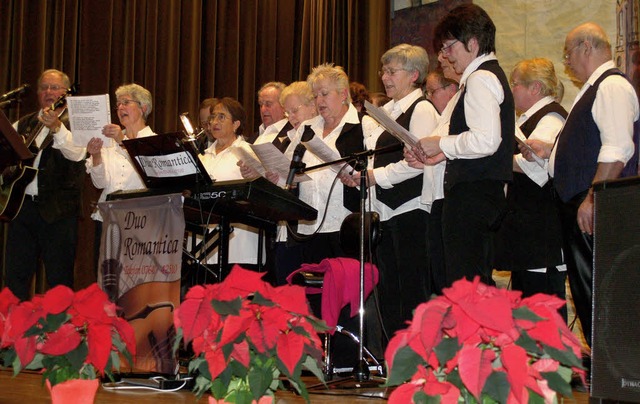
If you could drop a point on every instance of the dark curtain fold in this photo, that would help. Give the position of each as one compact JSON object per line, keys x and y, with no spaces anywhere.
{"x":185,"y":51}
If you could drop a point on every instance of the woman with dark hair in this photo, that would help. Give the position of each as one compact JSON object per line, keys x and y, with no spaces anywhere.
{"x":227,"y":123}
{"x":359,"y":94}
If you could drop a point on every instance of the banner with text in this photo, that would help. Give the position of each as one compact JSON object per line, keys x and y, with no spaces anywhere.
{"x":141,"y":257}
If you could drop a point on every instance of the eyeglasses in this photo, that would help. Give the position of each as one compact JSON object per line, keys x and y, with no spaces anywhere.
{"x":446,"y":48}
{"x":127,"y":102}
{"x":515,"y":83}
{"x":219,"y":116}
{"x":52,"y":87}
{"x":388,"y":71}
{"x":430,"y":93}
{"x":567,"y":54}
{"x":293,"y":111}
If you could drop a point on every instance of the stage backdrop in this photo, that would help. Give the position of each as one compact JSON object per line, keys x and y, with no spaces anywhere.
{"x":140,"y":260}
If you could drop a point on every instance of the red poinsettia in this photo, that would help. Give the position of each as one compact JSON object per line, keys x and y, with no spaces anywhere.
{"x":246,"y":333}
{"x":477,"y":341}
{"x":70,"y":335}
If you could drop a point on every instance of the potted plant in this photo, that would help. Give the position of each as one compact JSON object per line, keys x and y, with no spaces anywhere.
{"x":478,"y":343}
{"x":246,"y":334}
{"x":72,"y":337}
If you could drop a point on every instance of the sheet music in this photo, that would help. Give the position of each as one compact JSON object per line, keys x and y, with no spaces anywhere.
{"x":246,"y":157}
{"x":520,"y":139}
{"x":390,"y":125}
{"x":275,"y":161}
{"x":88,"y":114}
{"x":324,"y":152}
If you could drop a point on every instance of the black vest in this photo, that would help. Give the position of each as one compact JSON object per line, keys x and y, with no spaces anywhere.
{"x":351,"y":140}
{"x":530,"y":235}
{"x":282,"y":141}
{"x":60,"y":180}
{"x":578,"y":146}
{"x":406,"y":190}
{"x":499,"y":165}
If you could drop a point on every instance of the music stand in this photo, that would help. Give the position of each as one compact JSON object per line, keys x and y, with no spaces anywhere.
{"x":12,"y":147}
{"x":167,"y":161}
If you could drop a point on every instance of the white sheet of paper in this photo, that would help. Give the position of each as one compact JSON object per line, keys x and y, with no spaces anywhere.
{"x":390,"y":125}
{"x":88,"y":114}
{"x":324,"y":153}
{"x":249,"y":160}
{"x":273,"y":160}
{"x":520,"y":139}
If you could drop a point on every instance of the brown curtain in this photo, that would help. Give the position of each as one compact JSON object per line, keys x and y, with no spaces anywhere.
{"x":184,"y":51}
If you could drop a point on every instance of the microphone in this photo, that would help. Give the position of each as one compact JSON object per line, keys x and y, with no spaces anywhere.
{"x":111,"y":266}
{"x":15,"y":92}
{"x":296,"y":164}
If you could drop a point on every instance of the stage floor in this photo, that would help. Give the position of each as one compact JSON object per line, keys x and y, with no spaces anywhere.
{"x":27,"y":387}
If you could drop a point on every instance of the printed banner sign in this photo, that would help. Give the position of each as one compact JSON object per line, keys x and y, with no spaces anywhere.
{"x":141,"y":258}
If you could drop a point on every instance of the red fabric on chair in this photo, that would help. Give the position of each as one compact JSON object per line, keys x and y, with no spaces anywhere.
{"x":341,"y":285}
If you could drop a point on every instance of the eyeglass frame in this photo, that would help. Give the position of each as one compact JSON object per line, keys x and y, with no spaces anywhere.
{"x":567,"y":54}
{"x":389,"y":71}
{"x":294,"y":110}
{"x":220,"y":116}
{"x":127,"y":102}
{"x":432,"y":92}
{"x":445,"y":49}
{"x":52,"y":87}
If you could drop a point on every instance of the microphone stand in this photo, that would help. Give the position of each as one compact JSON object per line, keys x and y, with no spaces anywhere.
{"x":361,"y":371}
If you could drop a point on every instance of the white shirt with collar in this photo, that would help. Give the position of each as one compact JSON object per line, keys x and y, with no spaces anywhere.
{"x":116,"y":172}
{"x":316,"y":192}
{"x":270,"y":132}
{"x":614,"y":110}
{"x":243,"y":241}
{"x":424,"y":118}
{"x":482,"y":99}
{"x":546,"y":131}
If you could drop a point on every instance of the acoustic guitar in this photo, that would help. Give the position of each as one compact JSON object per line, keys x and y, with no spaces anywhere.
{"x":15,"y":179}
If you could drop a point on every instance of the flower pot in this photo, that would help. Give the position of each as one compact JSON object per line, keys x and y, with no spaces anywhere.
{"x":262,"y":400}
{"x":75,"y":391}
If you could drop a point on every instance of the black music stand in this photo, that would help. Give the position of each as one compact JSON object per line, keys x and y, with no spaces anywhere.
{"x":12,"y":147}
{"x":361,"y":373}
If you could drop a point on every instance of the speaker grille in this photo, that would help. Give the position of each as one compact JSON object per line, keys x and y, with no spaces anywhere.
{"x":616,"y":292}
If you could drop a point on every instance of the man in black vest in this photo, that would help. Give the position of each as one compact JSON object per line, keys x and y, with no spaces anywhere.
{"x":271,"y":111}
{"x":479,"y":145}
{"x":46,"y":226}
{"x":595,"y":145}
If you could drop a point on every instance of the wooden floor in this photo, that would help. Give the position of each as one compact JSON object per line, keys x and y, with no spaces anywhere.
{"x":27,"y":388}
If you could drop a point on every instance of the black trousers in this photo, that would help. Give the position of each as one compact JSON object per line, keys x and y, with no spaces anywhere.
{"x":470,"y":215}
{"x":403,"y":263}
{"x":551,"y":282}
{"x":578,"y":249}
{"x":31,"y":238}
{"x":437,"y":266}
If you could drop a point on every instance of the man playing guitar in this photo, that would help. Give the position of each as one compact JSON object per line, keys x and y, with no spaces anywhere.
{"x":45,"y":227}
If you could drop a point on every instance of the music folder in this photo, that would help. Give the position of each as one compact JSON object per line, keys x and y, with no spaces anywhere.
{"x":12,"y":147}
{"x":167,"y":161}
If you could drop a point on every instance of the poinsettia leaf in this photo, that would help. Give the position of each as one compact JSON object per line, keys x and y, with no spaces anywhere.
{"x":557,"y":383}
{"x":405,"y":363}
{"x":446,"y":349}
{"x":474,"y":366}
{"x":61,"y":341}
{"x":58,"y":299}
{"x":227,"y":307}
{"x":7,"y":300}
{"x":261,"y":300}
{"x":535,"y":398}
{"x":497,"y":387}
{"x":567,"y":358}
{"x":525,"y":313}
{"x":194,"y":315}
{"x":99,"y":343}
{"x":216,"y":361}
{"x":404,"y":393}
{"x":528,"y":344}
{"x":289,"y":348}
{"x":314,"y":367}
{"x":259,"y":381}
{"x":77,"y":356}
{"x":421,"y":398}
{"x":26,"y":349}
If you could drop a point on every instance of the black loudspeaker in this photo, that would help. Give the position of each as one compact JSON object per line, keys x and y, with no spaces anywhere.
{"x":615,"y":371}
